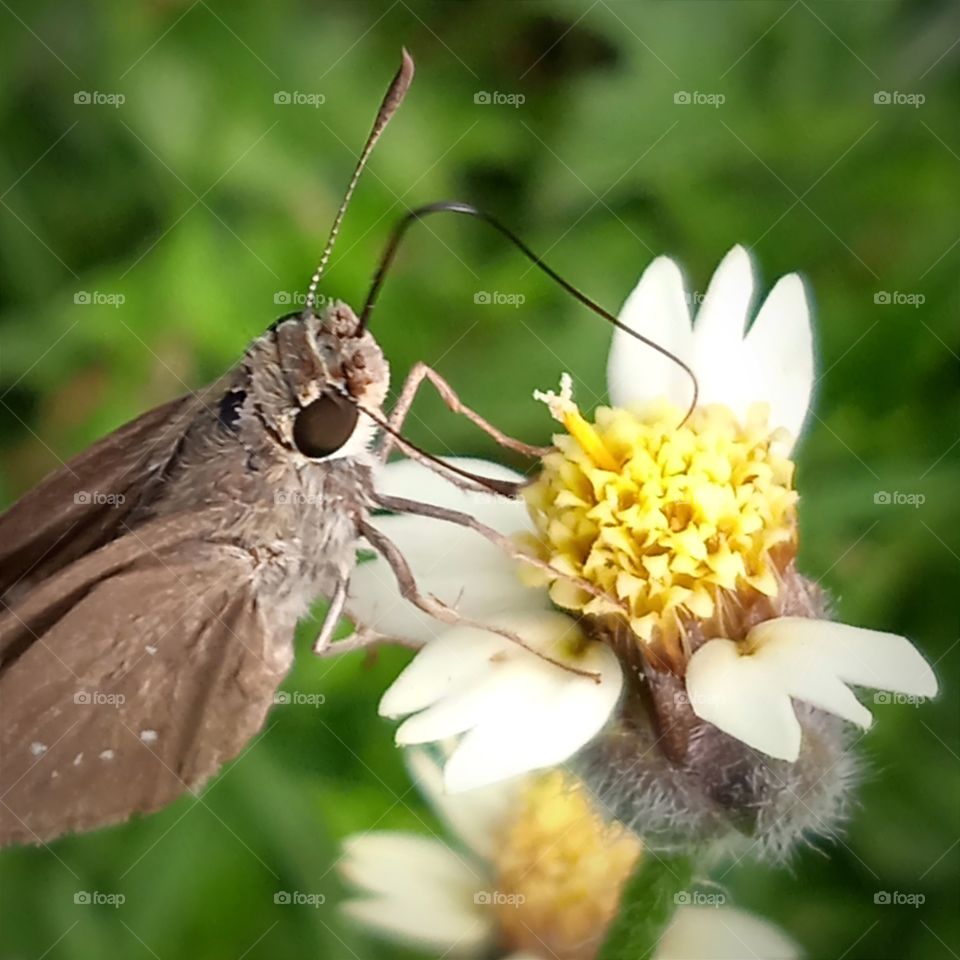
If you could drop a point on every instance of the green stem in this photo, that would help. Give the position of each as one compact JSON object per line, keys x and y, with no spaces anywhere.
{"x":647,"y":904}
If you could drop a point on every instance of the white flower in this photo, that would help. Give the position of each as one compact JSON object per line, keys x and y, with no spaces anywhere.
{"x":746,"y":689}
{"x":428,"y":894}
{"x":516,"y":712}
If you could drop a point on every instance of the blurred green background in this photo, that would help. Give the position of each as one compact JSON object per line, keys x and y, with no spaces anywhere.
{"x":204,"y":204}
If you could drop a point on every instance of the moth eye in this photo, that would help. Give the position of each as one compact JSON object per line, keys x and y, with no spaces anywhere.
{"x":324,"y":426}
{"x":229,"y":411}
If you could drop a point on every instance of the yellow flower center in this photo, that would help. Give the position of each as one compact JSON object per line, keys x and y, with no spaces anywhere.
{"x":560,"y":869}
{"x":667,"y":519}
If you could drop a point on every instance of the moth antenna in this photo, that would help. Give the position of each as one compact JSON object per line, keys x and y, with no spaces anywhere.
{"x":453,"y":206}
{"x":391,"y":101}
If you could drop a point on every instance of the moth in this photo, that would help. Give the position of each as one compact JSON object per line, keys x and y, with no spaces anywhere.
{"x":150,"y":588}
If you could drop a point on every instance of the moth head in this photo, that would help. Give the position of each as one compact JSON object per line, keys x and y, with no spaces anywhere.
{"x":353,"y":361}
{"x":331,"y":366}
{"x":332,"y":371}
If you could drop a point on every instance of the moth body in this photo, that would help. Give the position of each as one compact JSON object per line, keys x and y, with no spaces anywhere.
{"x":150,"y":588}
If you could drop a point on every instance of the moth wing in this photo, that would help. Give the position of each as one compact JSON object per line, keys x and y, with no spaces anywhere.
{"x":32,"y":611}
{"x":117,"y":709}
{"x":83,"y":504}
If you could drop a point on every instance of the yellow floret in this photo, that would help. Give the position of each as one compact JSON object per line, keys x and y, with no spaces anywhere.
{"x":559,"y":870}
{"x":663,"y":516}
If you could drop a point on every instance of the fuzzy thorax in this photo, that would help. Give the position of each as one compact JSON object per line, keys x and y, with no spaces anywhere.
{"x":674,"y":521}
{"x":559,"y":868}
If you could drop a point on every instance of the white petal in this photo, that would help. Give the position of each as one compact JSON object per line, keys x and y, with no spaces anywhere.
{"x":447,"y":663}
{"x":418,"y":890}
{"x":657,"y":308}
{"x":801,"y":667}
{"x":442,"y":926}
{"x":736,"y":694}
{"x":772,"y":363}
{"x":808,"y":680}
{"x":448,"y":561}
{"x":541,"y":714}
{"x":748,"y":694}
{"x":543,"y":727}
{"x":723,"y":933}
{"x":520,"y":712}
{"x":779,"y":350}
{"x":512,"y":682}
{"x":722,"y":318}
{"x":475,"y":816}
{"x":396,"y":864}
{"x":718,"y":352}
{"x":867,"y":658}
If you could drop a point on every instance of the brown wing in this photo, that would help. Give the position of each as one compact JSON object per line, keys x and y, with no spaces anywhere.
{"x":152,"y":676}
{"x":83,"y":505}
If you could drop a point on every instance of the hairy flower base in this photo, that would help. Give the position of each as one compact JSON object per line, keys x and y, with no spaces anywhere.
{"x":748,"y":803}
{"x":673,"y":523}
{"x":678,"y":780}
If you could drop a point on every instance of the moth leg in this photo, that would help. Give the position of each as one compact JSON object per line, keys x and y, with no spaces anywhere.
{"x":334,"y":613}
{"x":401,"y":409}
{"x":437,"y":608}
{"x":416,"y":507}
{"x":360,"y":639}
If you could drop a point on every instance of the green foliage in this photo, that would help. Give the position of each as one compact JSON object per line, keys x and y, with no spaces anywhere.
{"x":647,"y":905}
{"x":201,"y":201}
